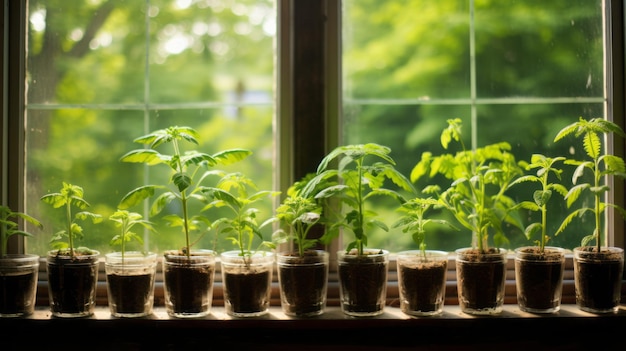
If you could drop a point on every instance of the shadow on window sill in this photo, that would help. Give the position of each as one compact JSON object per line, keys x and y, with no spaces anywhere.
{"x":568,"y":329}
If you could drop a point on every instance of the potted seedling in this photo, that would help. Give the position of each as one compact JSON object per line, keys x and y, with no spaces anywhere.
{"x":130,"y":274}
{"x":421,"y":272}
{"x":188,"y":273}
{"x":359,"y":177}
{"x":72,"y":270}
{"x":597,"y":268}
{"x":302,"y":267}
{"x":246,"y":270}
{"x":477,"y":198}
{"x":18,"y":272}
{"x":539,"y":268}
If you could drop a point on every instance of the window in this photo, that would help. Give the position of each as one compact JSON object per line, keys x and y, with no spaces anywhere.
{"x":515,"y":71}
{"x":414,"y":84}
{"x":122,"y":69}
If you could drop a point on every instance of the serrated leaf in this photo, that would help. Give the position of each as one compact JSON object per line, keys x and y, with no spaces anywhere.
{"x":146,"y":156}
{"x":231,"y":156}
{"x":136,"y":196}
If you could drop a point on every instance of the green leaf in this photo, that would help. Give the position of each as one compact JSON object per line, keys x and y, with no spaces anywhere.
{"x":145,"y":156}
{"x":84,"y":215}
{"x":532,"y":229}
{"x":182,"y":181}
{"x":196,"y":158}
{"x":160,"y":202}
{"x":55,"y":199}
{"x":136,"y":196}
{"x":231,"y":156}
{"x":573,"y":194}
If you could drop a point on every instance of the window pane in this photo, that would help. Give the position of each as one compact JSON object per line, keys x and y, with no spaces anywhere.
{"x":146,"y":65}
{"x":517,"y":71}
{"x":539,"y":48}
{"x":398,"y":49}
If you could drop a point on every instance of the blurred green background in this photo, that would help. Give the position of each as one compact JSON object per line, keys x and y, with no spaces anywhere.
{"x":103,"y":72}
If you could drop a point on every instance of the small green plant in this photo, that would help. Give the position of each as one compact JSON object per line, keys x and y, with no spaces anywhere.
{"x":232,"y":192}
{"x":545,"y":166}
{"x":601,"y":165}
{"x":70,"y":196}
{"x":353,"y":183}
{"x":480,"y":178}
{"x":125,"y":221}
{"x":188,"y":171}
{"x":10,"y":227}
{"x":414,"y":218}
{"x":298,"y":214}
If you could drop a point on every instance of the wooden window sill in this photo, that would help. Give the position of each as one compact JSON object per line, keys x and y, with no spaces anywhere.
{"x":569,"y":329}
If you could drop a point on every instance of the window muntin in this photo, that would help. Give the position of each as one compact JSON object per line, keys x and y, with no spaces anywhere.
{"x":101,"y":73}
{"x":514,"y":71}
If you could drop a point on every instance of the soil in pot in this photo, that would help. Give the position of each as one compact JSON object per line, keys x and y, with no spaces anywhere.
{"x":422,"y":282}
{"x":363,"y":283}
{"x":18,"y":285}
{"x":130,"y":283}
{"x":247,"y":283}
{"x":188,"y":284}
{"x":598,"y":278}
{"x":539,"y":279}
{"x":130,"y":292}
{"x":480,"y":280}
{"x":303,"y":282}
{"x":247,"y":291}
{"x":72,"y":284}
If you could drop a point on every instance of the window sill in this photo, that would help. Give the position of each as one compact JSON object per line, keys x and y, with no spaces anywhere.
{"x":513,"y":328}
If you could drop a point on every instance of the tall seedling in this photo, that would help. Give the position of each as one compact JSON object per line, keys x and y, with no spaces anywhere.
{"x":601,"y":166}
{"x":353,"y":183}
{"x":479,"y":180}
{"x":187,"y":169}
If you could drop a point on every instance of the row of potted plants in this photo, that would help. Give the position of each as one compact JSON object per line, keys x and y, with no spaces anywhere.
{"x":336,"y":199}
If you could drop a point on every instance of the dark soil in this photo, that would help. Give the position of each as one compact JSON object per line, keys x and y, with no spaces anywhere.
{"x":303,"y":286}
{"x":362,"y":283}
{"x":423,"y":286}
{"x":247,"y":291}
{"x":480,"y":280}
{"x":539,"y":279}
{"x":17,"y":293}
{"x":130,"y":293}
{"x":72,"y":284}
{"x":189,"y":288}
{"x":598,"y":280}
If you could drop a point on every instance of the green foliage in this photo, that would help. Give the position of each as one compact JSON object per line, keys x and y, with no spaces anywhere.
{"x":186,"y":178}
{"x":353,"y":182}
{"x":241,"y":227}
{"x":125,"y":221}
{"x":414,"y":219}
{"x":70,"y":196}
{"x":298,"y":214}
{"x":479,"y":179}
{"x":545,"y":166}
{"x":600,"y":166}
{"x":10,"y":227}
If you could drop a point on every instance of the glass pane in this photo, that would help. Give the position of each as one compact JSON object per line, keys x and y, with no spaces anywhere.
{"x":397,"y":49}
{"x":538,"y":67}
{"x":215,"y":50}
{"x":82,"y":52}
{"x":84,"y":114}
{"x":539,"y":48}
